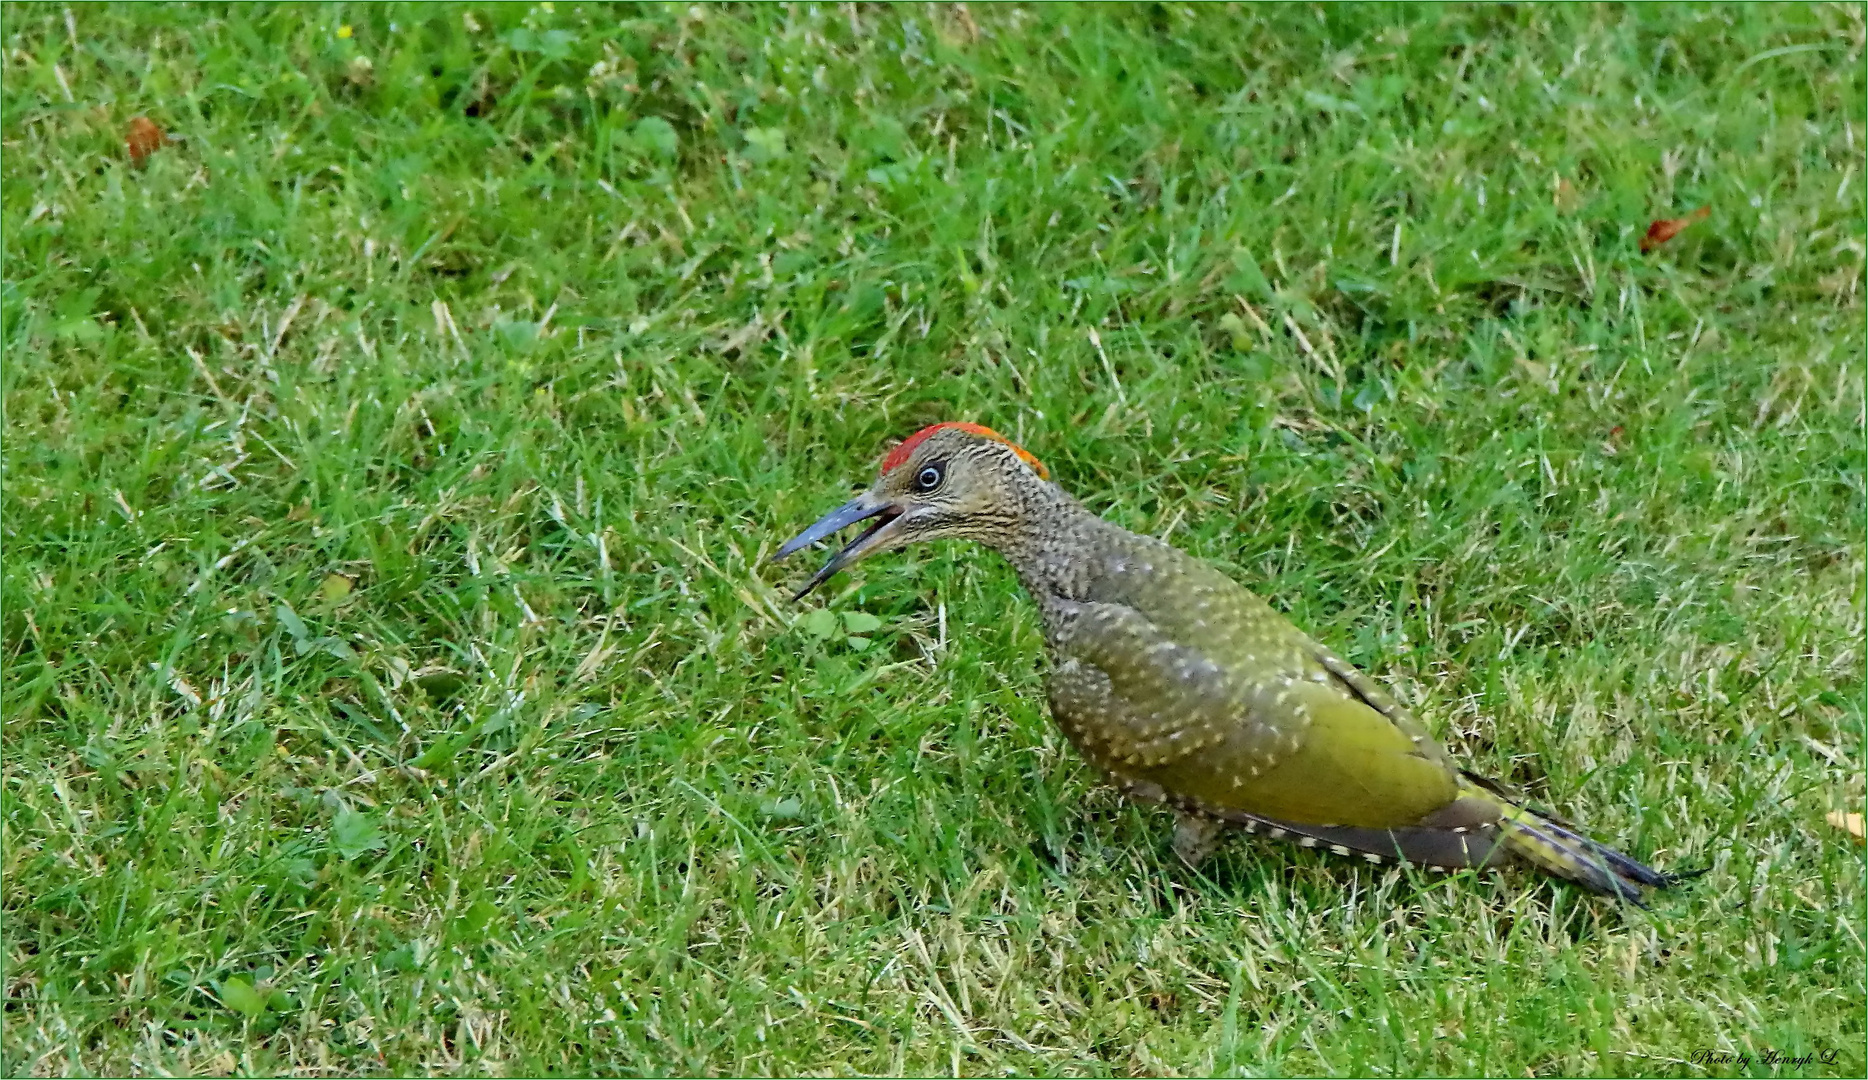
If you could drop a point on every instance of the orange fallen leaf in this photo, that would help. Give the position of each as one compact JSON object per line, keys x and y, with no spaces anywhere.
{"x":1666,"y":229}
{"x":1849,"y":823}
{"x":143,"y":139}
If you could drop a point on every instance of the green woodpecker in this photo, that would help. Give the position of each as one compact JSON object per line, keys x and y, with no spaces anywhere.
{"x":1188,"y":690}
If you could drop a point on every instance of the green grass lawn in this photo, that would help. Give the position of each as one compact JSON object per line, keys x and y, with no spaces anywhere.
{"x":392,"y":685}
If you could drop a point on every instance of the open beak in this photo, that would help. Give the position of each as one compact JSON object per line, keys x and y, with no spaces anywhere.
{"x":862,"y":508}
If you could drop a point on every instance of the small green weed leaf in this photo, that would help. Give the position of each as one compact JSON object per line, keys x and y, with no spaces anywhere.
{"x":355,"y":834}
{"x":440,"y":685}
{"x":861,"y":622}
{"x":293,"y":625}
{"x":479,"y":915}
{"x":441,"y":750}
{"x":765,"y":144}
{"x":81,"y":330}
{"x":551,"y":44}
{"x":336,"y":647}
{"x":240,"y":996}
{"x":887,"y":176}
{"x":858,"y":643}
{"x":657,"y":137}
{"x":73,"y":316}
{"x":76,"y":304}
{"x":1235,"y":332}
{"x":819,"y":622}
{"x":886,"y":138}
{"x":335,"y":587}
{"x":1329,"y":103}
{"x":1247,"y":278}
{"x":518,"y":335}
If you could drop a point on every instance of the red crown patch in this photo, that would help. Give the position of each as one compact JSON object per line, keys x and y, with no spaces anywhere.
{"x":907,"y":447}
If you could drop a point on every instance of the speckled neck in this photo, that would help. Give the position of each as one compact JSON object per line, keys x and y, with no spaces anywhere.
{"x":1053,"y":543}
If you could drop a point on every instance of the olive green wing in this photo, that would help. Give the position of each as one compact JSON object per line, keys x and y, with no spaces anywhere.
{"x":1290,"y":741}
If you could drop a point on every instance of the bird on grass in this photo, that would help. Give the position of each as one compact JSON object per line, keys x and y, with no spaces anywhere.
{"x":1188,"y":690}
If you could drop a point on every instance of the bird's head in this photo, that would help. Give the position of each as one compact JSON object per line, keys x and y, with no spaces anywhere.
{"x":948,"y":480}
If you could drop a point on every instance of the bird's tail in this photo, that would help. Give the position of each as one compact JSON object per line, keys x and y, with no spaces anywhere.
{"x":1486,"y":826}
{"x":1558,"y":849}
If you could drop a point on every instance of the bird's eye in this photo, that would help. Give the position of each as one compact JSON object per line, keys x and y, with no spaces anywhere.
{"x":929,"y":478}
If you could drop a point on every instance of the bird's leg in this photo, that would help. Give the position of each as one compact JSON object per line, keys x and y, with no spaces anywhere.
{"x":1195,"y":837}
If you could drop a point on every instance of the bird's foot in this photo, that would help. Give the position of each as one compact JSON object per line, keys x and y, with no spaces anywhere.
{"x":1195,"y":837}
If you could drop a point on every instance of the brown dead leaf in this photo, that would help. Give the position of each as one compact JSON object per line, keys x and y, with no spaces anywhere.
{"x":1565,"y":197}
{"x":1849,"y":823}
{"x":1666,"y":229}
{"x":143,"y":138}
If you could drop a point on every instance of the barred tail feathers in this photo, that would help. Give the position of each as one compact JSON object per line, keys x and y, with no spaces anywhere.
{"x":1560,"y":851}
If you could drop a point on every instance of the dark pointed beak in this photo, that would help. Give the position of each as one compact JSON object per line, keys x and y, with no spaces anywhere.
{"x":861,"y":508}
